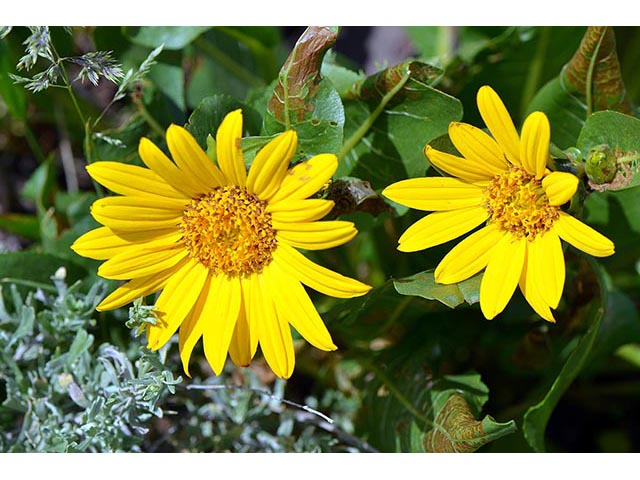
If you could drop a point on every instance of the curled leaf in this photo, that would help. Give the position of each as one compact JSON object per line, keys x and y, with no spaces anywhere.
{"x":594,"y":71}
{"x":354,"y":195}
{"x":457,"y":431}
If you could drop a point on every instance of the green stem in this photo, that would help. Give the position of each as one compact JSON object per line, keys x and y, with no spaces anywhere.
{"x":33,"y":143}
{"x":155,"y":126}
{"x":589,"y":83}
{"x":354,"y":139}
{"x":229,"y":63}
{"x":535,"y":69}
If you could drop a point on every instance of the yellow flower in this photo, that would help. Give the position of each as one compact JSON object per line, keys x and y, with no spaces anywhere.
{"x":221,"y":245}
{"x":503,"y":181}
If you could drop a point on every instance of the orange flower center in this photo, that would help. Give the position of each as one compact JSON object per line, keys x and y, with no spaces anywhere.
{"x":229,"y":231}
{"x":518,"y":204}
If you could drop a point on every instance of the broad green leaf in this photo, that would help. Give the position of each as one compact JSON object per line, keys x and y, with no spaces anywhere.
{"x":24,"y":225}
{"x":396,"y":113}
{"x":610,"y":141}
{"x":343,"y":79}
{"x":169,"y":79}
{"x":423,"y":285}
{"x":302,"y":100}
{"x":173,"y":38}
{"x":456,"y":429}
{"x":36,"y":268}
{"x":566,"y":112}
{"x":208,"y":116}
{"x":536,"y":418}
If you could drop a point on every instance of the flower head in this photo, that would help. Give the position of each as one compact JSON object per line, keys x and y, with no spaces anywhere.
{"x":502,"y":182}
{"x":221,"y":244}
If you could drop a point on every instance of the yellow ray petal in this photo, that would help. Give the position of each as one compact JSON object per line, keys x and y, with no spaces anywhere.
{"x":229,"y":150}
{"x":498,"y":121}
{"x":294,"y":306}
{"x":102,"y":244}
{"x":293,"y":211}
{"x":315,"y":235}
{"x":176,"y":300}
{"x":583,"y":237}
{"x":157,"y":161}
{"x":440,"y":227}
{"x":315,"y":276}
{"x":529,"y":289}
{"x":136,"y":213}
{"x":478,"y":147}
{"x":560,"y":187}
{"x":138,"y":287}
{"x":306,"y":178}
{"x":250,"y":299}
{"x":458,"y":167}
{"x":270,"y":165}
{"x":134,"y":263}
{"x":546,"y":262}
{"x":221,"y":311}
{"x":240,"y":348}
{"x":192,"y":160}
{"x":192,"y":327}
{"x":469,"y":256}
{"x":274,"y":334}
{"x":434,"y":193}
{"x":131,"y":180}
{"x":502,"y":275}
{"x":534,"y":144}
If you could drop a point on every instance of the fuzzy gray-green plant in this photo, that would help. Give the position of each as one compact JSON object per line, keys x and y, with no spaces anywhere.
{"x":62,"y":393}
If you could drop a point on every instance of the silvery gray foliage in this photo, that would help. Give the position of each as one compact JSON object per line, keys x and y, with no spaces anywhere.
{"x":61,"y":393}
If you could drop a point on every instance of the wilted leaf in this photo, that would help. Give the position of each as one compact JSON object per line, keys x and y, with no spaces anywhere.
{"x":354,"y":195}
{"x":423,"y":285}
{"x":456,"y":429}
{"x":394,"y":114}
{"x":594,"y":72}
{"x":302,"y":100}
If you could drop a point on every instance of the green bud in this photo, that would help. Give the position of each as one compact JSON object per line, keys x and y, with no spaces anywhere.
{"x":600,"y":164}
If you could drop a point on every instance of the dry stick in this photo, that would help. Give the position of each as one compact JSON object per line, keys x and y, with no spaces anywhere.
{"x":264,"y":392}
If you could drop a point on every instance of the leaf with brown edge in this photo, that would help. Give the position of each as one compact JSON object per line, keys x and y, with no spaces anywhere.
{"x":594,"y":71}
{"x":455,"y":428}
{"x":304,"y":101}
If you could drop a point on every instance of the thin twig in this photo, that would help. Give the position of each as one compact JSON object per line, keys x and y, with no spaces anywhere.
{"x":266,"y":393}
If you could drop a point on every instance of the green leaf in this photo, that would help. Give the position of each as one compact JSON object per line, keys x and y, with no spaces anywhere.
{"x":611,"y":143}
{"x":208,"y":116}
{"x":24,"y":225}
{"x":617,"y":130}
{"x":169,"y":79}
{"x":566,"y":113}
{"x":34,"y":267}
{"x":14,"y":96}
{"x":423,"y":285}
{"x":302,"y":100}
{"x":173,"y":38}
{"x":343,"y":79}
{"x":406,"y":412}
{"x":536,"y":418}
{"x":121,"y":145}
{"x":396,"y":113}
